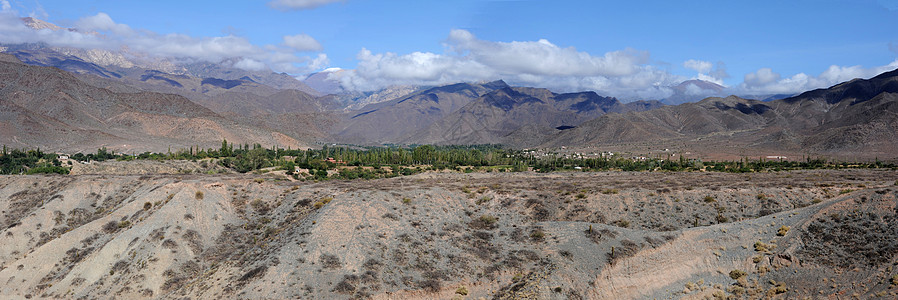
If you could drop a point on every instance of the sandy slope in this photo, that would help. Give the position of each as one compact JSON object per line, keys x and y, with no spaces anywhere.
{"x":429,"y":235}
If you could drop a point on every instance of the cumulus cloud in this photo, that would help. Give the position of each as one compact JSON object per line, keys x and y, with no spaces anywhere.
{"x":100,"y":31}
{"x":302,"y":42}
{"x":707,"y":71}
{"x":544,"y":58}
{"x":624,"y":73}
{"x":299,"y":4}
{"x":250,"y":65}
{"x":765,"y":81}
{"x":702,"y":67}
{"x":761,"y":77}
{"x":320,"y":62}
{"x":103,"y":23}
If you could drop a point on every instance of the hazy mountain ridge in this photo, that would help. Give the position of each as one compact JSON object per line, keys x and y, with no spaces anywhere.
{"x":493,"y":117}
{"x":859,"y":115}
{"x":390,"y":121}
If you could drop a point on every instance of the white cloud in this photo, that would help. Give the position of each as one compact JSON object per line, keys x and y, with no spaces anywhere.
{"x":707,"y":71}
{"x":765,"y":81}
{"x":320,"y":62}
{"x":702,"y":67}
{"x":102,"y":32}
{"x":694,"y":90}
{"x":250,"y":65}
{"x":761,"y":77}
{"x":103,"y":23}
{"x":544,"y":58}
{"x":623,"y":73}
{"x":4,"y":6}
{"x":300,"y":4}
{"x":302,"y":42}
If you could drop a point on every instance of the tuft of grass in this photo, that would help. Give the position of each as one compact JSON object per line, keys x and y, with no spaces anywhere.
{"x":845,"y":191}
{"x":320,"y":203}
{"x":761,"y":246}
{"x":406,"y":200}
{"x":581,"y":196}
{"x":124,"y":224}
{"x":761,"y":196}
{"x":537,"y":234}
{"x":736,"y":274}
{"x":709,"y":199}
{"x":199,"y":195}
{"x":462,"y":291}
{"x":147,"y":205}
{"x":736,"y":290}
{"x":610,"y":191}
{"x":783,"y":230}
{"x":259,"y":180}
{"x":622,"y":223}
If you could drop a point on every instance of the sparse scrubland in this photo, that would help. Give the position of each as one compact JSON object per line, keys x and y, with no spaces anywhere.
{"x":510,"y":235}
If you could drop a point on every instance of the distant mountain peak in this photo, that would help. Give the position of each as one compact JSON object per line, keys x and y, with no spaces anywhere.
{"x":494,"y":85}
{"x":693,"y":90}
{"x":38,"y":24}
{"x":701,"y":84}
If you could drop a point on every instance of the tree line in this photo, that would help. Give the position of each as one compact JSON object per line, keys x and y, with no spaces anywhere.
{"x":393,"y":160}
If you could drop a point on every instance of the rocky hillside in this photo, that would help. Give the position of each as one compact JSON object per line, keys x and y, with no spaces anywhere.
{"x":444,"y":235}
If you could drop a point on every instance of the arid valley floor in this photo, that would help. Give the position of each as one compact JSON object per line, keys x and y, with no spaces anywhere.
{"x":570,"y":235}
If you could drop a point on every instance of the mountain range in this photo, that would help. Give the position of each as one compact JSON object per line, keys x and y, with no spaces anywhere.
{"x":79,"y":100}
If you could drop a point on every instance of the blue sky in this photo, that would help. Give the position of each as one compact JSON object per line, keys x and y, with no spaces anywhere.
{"x":630,"y":49}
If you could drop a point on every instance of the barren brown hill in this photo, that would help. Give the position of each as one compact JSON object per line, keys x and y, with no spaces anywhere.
{"x":52,"y":109}
{"x":616,"y":235}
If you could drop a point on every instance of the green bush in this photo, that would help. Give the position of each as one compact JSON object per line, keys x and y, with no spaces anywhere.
{"x":47,"y":169}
